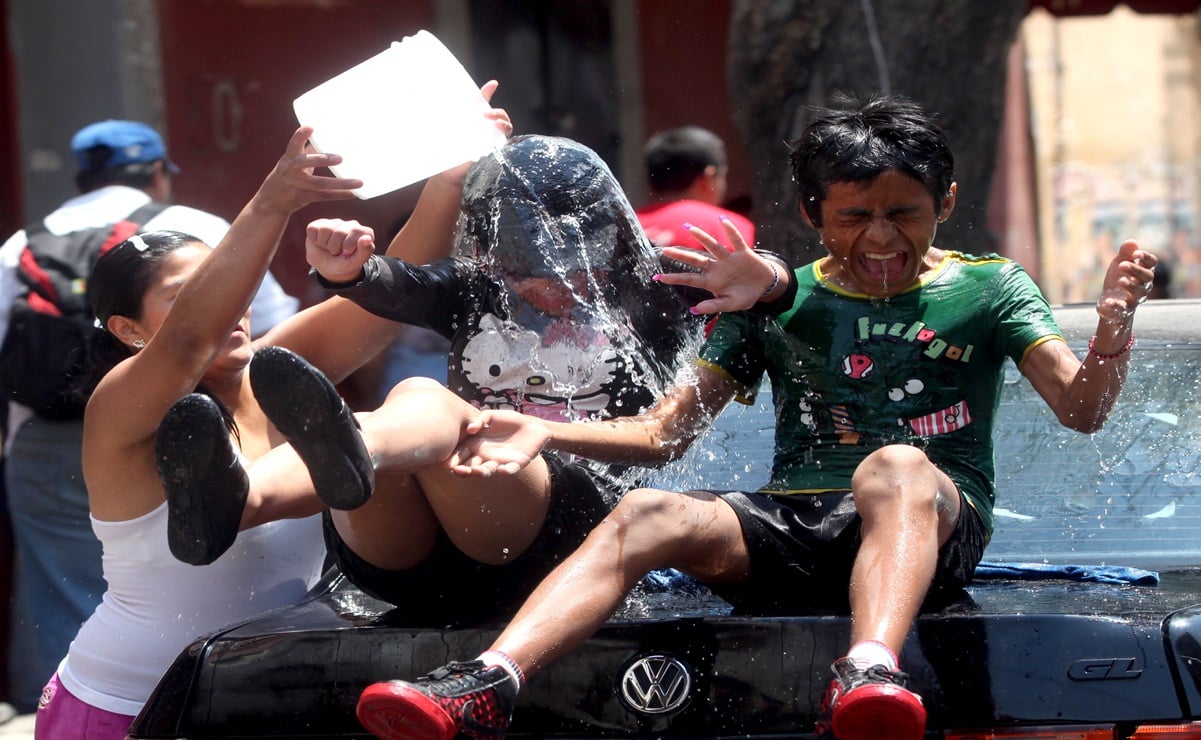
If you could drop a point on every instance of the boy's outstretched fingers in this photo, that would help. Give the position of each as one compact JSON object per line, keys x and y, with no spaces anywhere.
{"x":737,"y":279}
{"x":498,"y":442}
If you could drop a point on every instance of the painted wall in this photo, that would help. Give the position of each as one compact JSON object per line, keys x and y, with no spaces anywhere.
{"x":1115,"y":102}
{"x":74,"y":62}
{"x":684,"y":81}
{"x":229,"y":104}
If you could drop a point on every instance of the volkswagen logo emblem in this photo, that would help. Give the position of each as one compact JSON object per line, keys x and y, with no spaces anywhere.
{"x":656,"y":684}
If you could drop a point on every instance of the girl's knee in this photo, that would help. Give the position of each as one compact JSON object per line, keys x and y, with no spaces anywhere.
{"x":417,"y":384}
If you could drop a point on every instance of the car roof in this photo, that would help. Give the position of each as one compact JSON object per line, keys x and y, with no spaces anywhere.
{"x":1159,"y":320}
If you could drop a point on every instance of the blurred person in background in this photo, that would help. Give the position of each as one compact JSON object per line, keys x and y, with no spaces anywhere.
{"x":686,"y":170}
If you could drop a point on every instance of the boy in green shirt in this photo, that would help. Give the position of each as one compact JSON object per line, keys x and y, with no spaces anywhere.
{"x":886,"y":360}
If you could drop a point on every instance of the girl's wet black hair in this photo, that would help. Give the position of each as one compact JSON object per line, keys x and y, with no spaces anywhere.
{"x":547,"y":206}
{"x":117,"y":286}
{"x":863,"y":139}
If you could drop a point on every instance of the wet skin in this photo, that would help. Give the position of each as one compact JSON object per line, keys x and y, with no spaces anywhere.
{"x":880,"y":234}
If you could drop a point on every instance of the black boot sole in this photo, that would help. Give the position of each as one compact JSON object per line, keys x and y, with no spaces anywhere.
{"x":306,"y":408}
{"x":203,"y":478}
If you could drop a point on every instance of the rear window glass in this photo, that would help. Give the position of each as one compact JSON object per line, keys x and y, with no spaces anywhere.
{"x":1127,"y":495}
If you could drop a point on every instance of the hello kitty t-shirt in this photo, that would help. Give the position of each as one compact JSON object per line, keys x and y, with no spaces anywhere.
{"x":506,"y":356}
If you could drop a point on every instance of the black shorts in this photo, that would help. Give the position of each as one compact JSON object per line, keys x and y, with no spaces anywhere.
{"x":450,"y":588}
{"x":802,"y":548}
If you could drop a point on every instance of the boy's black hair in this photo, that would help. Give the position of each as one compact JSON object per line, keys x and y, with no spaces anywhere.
{"x":863,"y":139}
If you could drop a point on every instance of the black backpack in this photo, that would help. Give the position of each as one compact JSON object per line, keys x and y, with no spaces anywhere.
{"x":45,"y":349}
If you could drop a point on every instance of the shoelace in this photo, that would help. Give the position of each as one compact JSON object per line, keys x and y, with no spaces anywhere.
{"x":880,"y":674}
{"x":454,"y":672}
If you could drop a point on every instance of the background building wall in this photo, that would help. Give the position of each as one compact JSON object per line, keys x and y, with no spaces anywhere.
{"x":74,"y":62}
{"x":1115,"y":101}
{"x":218,"y":78}
{"x":229,"y":109}
{"x":1108,"y":147}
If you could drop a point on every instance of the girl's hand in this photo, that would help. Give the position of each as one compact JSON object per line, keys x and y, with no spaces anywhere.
{"x":337,"y":248}
{"x":293,"y":184}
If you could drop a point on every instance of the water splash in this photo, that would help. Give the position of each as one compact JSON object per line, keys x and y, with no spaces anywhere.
{"x":873,"y":36}
{"x":552,"y":228}
{"x":1130,"y":491}
{"x":572,"y":326}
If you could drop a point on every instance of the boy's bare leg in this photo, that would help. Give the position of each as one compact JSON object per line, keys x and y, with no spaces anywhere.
{"x":695,"y":532}
{"x":909,"y":508}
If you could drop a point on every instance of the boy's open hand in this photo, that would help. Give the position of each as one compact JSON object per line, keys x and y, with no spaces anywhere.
{"x":736,"y":277}
{"x":499,"y":442}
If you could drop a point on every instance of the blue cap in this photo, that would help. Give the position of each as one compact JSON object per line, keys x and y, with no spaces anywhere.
{"x":131,"y":142}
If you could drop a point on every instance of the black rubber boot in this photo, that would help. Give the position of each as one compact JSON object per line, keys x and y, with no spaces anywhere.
{"x":205,"y":482}
{"x":306,"y":408}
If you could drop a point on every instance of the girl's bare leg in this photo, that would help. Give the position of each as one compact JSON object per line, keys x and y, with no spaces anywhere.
{"x":414,"y":432}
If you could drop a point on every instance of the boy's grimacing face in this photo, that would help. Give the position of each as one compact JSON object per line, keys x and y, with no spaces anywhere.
{"x":878,"y":233}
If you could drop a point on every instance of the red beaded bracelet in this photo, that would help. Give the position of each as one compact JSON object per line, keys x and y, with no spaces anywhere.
{"x":1115,"y":355}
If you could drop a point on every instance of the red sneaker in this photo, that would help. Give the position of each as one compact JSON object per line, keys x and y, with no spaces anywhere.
{"x":870,"y":704}
{"x":458,"y":700}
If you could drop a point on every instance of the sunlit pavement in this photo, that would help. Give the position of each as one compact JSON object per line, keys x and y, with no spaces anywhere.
{"x":21,"y":726}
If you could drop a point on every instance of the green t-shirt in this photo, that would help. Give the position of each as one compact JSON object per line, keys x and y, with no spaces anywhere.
{"x":850,"y":373}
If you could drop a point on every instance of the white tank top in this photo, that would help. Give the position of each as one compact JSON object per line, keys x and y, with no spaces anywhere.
{"x":155,"y":606}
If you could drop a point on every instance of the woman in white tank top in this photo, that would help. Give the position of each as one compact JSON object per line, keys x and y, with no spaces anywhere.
{"x":176,"y":320}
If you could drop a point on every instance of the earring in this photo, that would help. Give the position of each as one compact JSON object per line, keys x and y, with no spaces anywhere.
{"x":139,"y":343}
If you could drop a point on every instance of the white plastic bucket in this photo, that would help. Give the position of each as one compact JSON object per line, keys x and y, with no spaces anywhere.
{"x":401,"y":116}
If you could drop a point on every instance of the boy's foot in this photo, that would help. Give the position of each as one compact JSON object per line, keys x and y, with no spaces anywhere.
{"x":306,"y":408}
{"x":203,"y":478}
{"x":869,"y":704}
{"x":465,"y":700}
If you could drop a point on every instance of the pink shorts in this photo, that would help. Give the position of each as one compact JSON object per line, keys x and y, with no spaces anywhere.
{"x":61,"y":716}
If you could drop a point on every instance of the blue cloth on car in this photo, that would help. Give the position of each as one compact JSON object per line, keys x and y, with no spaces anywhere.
{"x":1116,"y":574}
{"x":670,"y":579}
{"x":673,"y":580}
